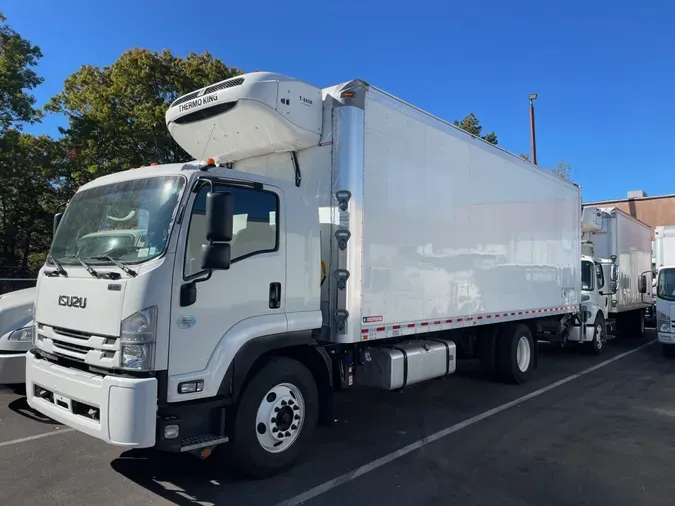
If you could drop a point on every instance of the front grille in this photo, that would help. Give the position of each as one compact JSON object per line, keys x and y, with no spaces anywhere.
{"x":75,"y":345}
{"x":75,"y":348}
{"x":229,"y":83}
{"x":71,"y":333}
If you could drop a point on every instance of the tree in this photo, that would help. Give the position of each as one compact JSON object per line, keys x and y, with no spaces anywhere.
{"x":33,"y":174}
{"x":27,"y":163}
{"x":563,"y":170}
{"x":471,"y":124}
{"x":17,"y":78}
{"x":116,"y":113}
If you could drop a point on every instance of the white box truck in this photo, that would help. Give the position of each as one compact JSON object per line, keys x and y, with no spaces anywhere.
{"x":331,"y":238}
{"x":664,"y":246}
{"x":614,"y":238}
{"x":16,"y":333}
{"x":664,"y":266}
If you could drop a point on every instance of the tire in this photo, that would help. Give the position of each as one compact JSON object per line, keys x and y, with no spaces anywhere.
{"x":639,"y":324}
{"x":516,"y":356}
{"x":599,"y":335}
{"x":668,"y":350}
{"x":280,"y":386}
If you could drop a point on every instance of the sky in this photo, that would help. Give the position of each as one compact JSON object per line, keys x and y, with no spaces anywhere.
{"x":603,"y":70}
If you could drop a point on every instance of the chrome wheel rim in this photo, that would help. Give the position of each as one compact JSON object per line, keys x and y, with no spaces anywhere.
{"x":523,"y":354}
{"x":599,"y":336}
{"x":280,"y":417}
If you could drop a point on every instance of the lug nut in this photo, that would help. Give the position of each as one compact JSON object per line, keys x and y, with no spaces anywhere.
{"x":276,"y":410}
{"x":294,"y":427}
{"x":297,"y":417}
{"x":283,"y":403}
{"x":290,"y":403}
{"x":295,"y":408}
{"x":288,"y":434}
{"x":274,"y":429}
{"x":273,"y":420}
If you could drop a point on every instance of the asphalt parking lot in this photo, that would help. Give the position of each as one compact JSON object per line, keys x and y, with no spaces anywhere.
{"x":587,"y":430}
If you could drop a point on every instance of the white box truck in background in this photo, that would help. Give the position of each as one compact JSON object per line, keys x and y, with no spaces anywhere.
{"x":16,"y":333}
{"x":664,"y":264}
{"x":332,"y":237}
{"x":613,"y":237}
{"x":664,"y":246}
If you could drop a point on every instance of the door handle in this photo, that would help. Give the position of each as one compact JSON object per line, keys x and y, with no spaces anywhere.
{"x":275,"y":295}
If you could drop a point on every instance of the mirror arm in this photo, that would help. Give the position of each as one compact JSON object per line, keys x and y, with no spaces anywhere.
{"x":209,"y":273}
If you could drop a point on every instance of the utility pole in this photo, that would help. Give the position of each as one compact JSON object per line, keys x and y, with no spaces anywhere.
{"x":533,"y":141}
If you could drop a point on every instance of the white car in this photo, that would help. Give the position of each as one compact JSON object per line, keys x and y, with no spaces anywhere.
{"x":16,"y":334}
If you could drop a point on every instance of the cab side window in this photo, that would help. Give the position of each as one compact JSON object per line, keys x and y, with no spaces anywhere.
{"x":601,"y":276}
{"x":255,"y":225}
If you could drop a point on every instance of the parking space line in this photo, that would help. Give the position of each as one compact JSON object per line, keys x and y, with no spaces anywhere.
{"x":37,"y":436}
{"x":371,"y":466}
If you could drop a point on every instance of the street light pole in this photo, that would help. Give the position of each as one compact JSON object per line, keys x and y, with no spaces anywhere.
{"x":533,"y":141}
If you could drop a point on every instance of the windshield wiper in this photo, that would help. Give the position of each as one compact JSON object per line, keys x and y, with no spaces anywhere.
{"x":118,"y":264}
{"x":89,"y":268}
{"x":59,"y":268}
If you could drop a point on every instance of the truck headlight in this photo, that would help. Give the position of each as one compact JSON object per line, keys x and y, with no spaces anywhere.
{"x":22,"y":335}
{"x":137,"y":340}
{"x":662,"y":322}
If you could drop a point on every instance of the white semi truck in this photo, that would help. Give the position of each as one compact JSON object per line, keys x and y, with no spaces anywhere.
{"x":664,"y":264}
{"x":332,"y":237}
{"x":616,"y":252}
{"x":613,"y":237}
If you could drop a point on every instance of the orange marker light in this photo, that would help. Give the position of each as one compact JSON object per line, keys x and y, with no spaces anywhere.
{"x":153,"y":164}
{"x":210,"y":161}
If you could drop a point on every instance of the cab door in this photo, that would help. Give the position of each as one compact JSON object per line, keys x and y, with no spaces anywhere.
{"x":235,"y":304}
{"x":604,"y":277}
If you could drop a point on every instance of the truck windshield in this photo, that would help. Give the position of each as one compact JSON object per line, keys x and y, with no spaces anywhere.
{"x":665,"y":287}
{"x":128,"y":221}
{"x":587,"y":274}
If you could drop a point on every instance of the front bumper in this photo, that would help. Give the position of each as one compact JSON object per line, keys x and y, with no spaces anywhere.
{"x":12,"y":368}
{"x":665,"y":337}
{"x":124,"y":409}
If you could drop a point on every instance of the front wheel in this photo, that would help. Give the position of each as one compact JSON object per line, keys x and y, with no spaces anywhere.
{"x":276,"y":415}
{"x":599,"y":335}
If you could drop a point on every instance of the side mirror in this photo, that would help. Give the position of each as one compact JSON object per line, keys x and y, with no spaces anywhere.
{"x":642,"y":284}
{"x":216,"y":256}
{"x":614,"y":273}
{"x":57,"y":220}
{"x":188,"y":294}
{"x":219,"y":216}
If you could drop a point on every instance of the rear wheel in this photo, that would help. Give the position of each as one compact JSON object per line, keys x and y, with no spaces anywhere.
{"x":516,"y":353}
{"x":276,"y":415}
{"x":640,"y":323}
